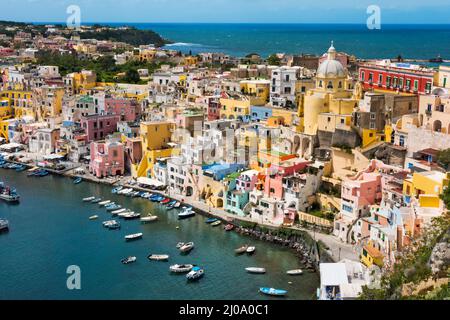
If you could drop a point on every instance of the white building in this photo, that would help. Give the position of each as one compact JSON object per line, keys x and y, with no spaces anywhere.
{"x":283,"y":82}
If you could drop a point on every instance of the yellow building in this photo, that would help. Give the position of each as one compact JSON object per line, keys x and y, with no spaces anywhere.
{"x":190,"y":61}
{"x":238,"y":106}
{"x":426,"y":187}
{"x":371,"y":256}
{"x":331,"y":94}
{"x":17,"y":103}
{"x":256,"y":88}
{"x":288,"y":116}
{"x":80,"y":82}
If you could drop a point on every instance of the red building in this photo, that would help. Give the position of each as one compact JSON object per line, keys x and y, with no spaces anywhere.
{"x":214,"y":108}
{"x":396,"y":77}
{"x":98,"y":127}
{"x":129,"y":110}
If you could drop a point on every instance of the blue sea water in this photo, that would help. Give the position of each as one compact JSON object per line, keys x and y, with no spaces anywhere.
{"x":411,"y":41}
{"x":50,"y":230}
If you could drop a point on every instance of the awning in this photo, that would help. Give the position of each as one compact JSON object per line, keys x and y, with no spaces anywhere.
{"x":333,"y":274}
{"x":149,"y":182}
{"x":53,"y":157}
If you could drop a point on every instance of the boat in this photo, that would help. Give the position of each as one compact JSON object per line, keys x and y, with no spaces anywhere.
{"x":97,"y":200}
{"x":117,"y":189}
{"x":77,"y":180}
{"x":4,"y":225}
{"x":8,"y":194}
{"x":217,"y":223}
{"x":125,"y":213}
{"x":132,"y":237}
{"x":229,"y":227}
{"x":251,"y":250}
{"x":211,"y":220}
{"x":185,"y":214}
{"x":165,"y":201}
{"x":180,"y":244}
{"x":88,"y":199}
{"x":104,"y":203}
{"x":21,"y":168}
{"x":125,"y":191}
{"x":95,"y":217}
{"x":134,"y":194}
{"x":273,"y":292}
{"x":187,"y":247}
{"x":145,"y":195}
{"x":149,"y":218}
{"x":177,"y":205}
{"x":111,"y":224}
{"x":113,"y":207}
{"x":115,"y":212}
{"x":132,"y":216}
{"x":255,"y":270}
{"x":295,"y":272}
{"x":195,"y":273}
{"x":437,"y":59}
{"x":128,"y":260}
{"x":158,"y":257}
{"x":181,"y":268}
{"x":241,"y":250}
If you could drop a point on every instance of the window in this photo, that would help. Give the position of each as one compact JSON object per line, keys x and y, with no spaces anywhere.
{"x":401,"y":83}
{"x":342,"y":121}
{"x":388,"y":81}
{"x":428,"y":87}
{"x":370,"y":77}
{"x":416,"y":85}
{"x":372,"y":126}
{"x":373,"y":116}
{"x":363,"y":76}
{"x":380,"y":79}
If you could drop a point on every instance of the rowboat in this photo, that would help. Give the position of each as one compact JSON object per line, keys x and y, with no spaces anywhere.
{"x":88,"y":199}
{"x":128,"y":260}
{"x":187,"y":247}
{"x":241,"y":250}
{"x":149,"y":218}
{"x":251,"y":250}
{"x":211,"y":220}
{"x":255,"y":270}
{"x":181,"y":268}
{"x":195,"y":274}
{"x":229,"y":227}
{"x":295,"y":272}
{"x":217,"y":223}
{"x":132,"y":237}
{"x":93,"y":217}
{"x":158,"y":257}
{"x":273,"y":292}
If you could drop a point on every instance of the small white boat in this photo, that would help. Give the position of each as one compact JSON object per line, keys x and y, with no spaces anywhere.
{"x":131,"y":216}
{"x":97,"y":200}
{"x":187,"y":247}
{"x":119,"y":211}
{"x":149,"y":219}
{"x":125,"y":213}
{"x":251,"y":250}
{"x":108,"y":223}
{"x":273,"y":292}
{"x":88,"y":199}
{"x":180,"y":244}
{"x":125,"y":191}
{"x":255,"y":270}
{"x":177,"y":205}
{"x":195,"y":274}
{"x":104,"y":203}
{"x":135,"y":236}
{"x":158,"y":257}
{"x":95,"y":217}
{"x":181,"y":268}
{"x":129,"y":260}
{"x":295,"y":272}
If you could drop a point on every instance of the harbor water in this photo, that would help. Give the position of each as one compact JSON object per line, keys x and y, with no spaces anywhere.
{"x":50,"y":230}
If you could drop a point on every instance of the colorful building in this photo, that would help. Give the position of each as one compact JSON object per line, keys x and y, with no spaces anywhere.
{"x":107,"y":158}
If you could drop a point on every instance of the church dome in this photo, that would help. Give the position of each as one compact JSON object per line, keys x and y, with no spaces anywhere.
{"x":331,"y":68}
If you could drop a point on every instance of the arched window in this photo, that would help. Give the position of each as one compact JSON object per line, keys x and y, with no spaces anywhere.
{"x":320,"y":84}
{"x":437,"y":126}
{"x":330,"y":85}
{"x":340,"y":85}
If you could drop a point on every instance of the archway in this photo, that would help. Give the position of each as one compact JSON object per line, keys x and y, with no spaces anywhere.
{"x":437,"y":126}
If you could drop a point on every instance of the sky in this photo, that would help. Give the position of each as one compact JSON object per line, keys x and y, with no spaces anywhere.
{"x":232,"y":11}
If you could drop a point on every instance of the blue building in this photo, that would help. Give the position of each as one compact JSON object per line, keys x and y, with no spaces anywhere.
{"x":260,"y":113}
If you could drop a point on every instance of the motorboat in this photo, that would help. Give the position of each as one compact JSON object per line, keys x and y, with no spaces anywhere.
{"x":132,"y":237}
{"x":134,"y":194}
{"x":180,"y":244}
{"x":185,"y":214}
{"x":165,"y":201}
{"x":104,"y":203}
{"x":116,"y":212}
{"x":187,"y":247}
{"x":145,"y":195}
{"x":295,"y":272}
{"x":125,"y":191}
{"x":124,"y":214}
{"x":181,"y":268}
{"x":241,"y":250}
{"x":158,"y":257}
{"x":251,"y":250}
{"x":217,"y":223}
{"x":21,"y":168}
{"x":8,"y":194}
{"x":195,"y":273}
{"x":229,"y":227}
{"x":211,"y":220}
{"x":94,"y":217}
{"x":88,"y":199}
{"x":111,"y":224}
{"x":149,"y":218}
{"x":4,"y":225}
{"x":177,"y":205}
{"x":128,"y":260}
{"x":77,"y":180}
{"x":114,"y":207}
{"x":273,"y":292}
{"x":117,"y":189}
{"x":96,"y":200}
{"x":132,"y":216}
{"x":255,"y":270}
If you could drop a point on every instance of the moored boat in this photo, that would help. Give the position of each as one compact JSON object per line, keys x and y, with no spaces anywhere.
{"x":132,"y":216}
{"x":251,"y":250}
{"x":94,"y":217}
{"x":255,"y":270}
{"x":115,"y":212}
{"x":241,"y":250}
{"x":229,"y":227}
{"x":8,"y":194}
{"x":180,"y":244}
{"x":117,"y":189}
{"x":77,"y":180}
{"x":195,"y":273}
{"x":114,"y":207}
{"x":149,"y":218}
{"x":211,"y":220}
{"x":187,"y":247}
{"x":181,"y":268}
{"x":96,"y":200}
{"x":185,"y":214}
{"x":217,"y":223}
{"x":88,"y":199}
{"x":295,"y":272}
{"x":273,"y":292}
{"x":132,"y":237}
{"x":4,"y":225}
{"x":128,"y":260}
{"x":104,"y":203}
{"x":158,"y":257}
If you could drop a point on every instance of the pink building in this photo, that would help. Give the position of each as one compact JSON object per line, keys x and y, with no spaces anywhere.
{"x":98,"y":127}
{"x":107,"y":158}
{"x":273,"y":186}
{"x":129,"y":110}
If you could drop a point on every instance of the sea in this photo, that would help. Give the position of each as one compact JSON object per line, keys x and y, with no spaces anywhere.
{"x":50,"y":231}
{"x":240,"y":39}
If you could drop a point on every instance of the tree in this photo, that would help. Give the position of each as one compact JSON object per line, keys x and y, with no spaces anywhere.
{"x":443,"y":158}
{"x":132,"y":76}
{"x":273,"y":60}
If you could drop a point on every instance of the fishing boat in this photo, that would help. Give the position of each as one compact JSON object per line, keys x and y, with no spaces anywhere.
{"x":77,"y":180}
{"x":128,"y":260}
{"x":97,"y":200}
{"x":251,"y":250}
{"x":4,"y":225}
{"x":229,"y":227}
{"x":132,"y":216}
{"x":116,"y":212}
{"x":104,"y":203}
{"x":158,"y":257}
{"x":187,"y":247}
{"x":211,"y":220}
{"x":88,"y":199}
{"x":116,"y":189}
{"x":273,"y":292}
{"x":8,"y":194}
{"x":149,"y":218}
{"x":95,"y":217}
{"x":181,"y":268}
{"x":217,"y":223}
{"x":295,"y":272}
{"x":241,"y":250}
{"x":195,"y":273}
{"x":132,"y":237}
{"x":255,"y":270}
{"x":185,"y":214}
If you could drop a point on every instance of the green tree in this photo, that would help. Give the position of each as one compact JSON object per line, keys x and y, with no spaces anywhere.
{"x":132,"y":76}
{"x":273,"y":60}
{"x":443,"y":158}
